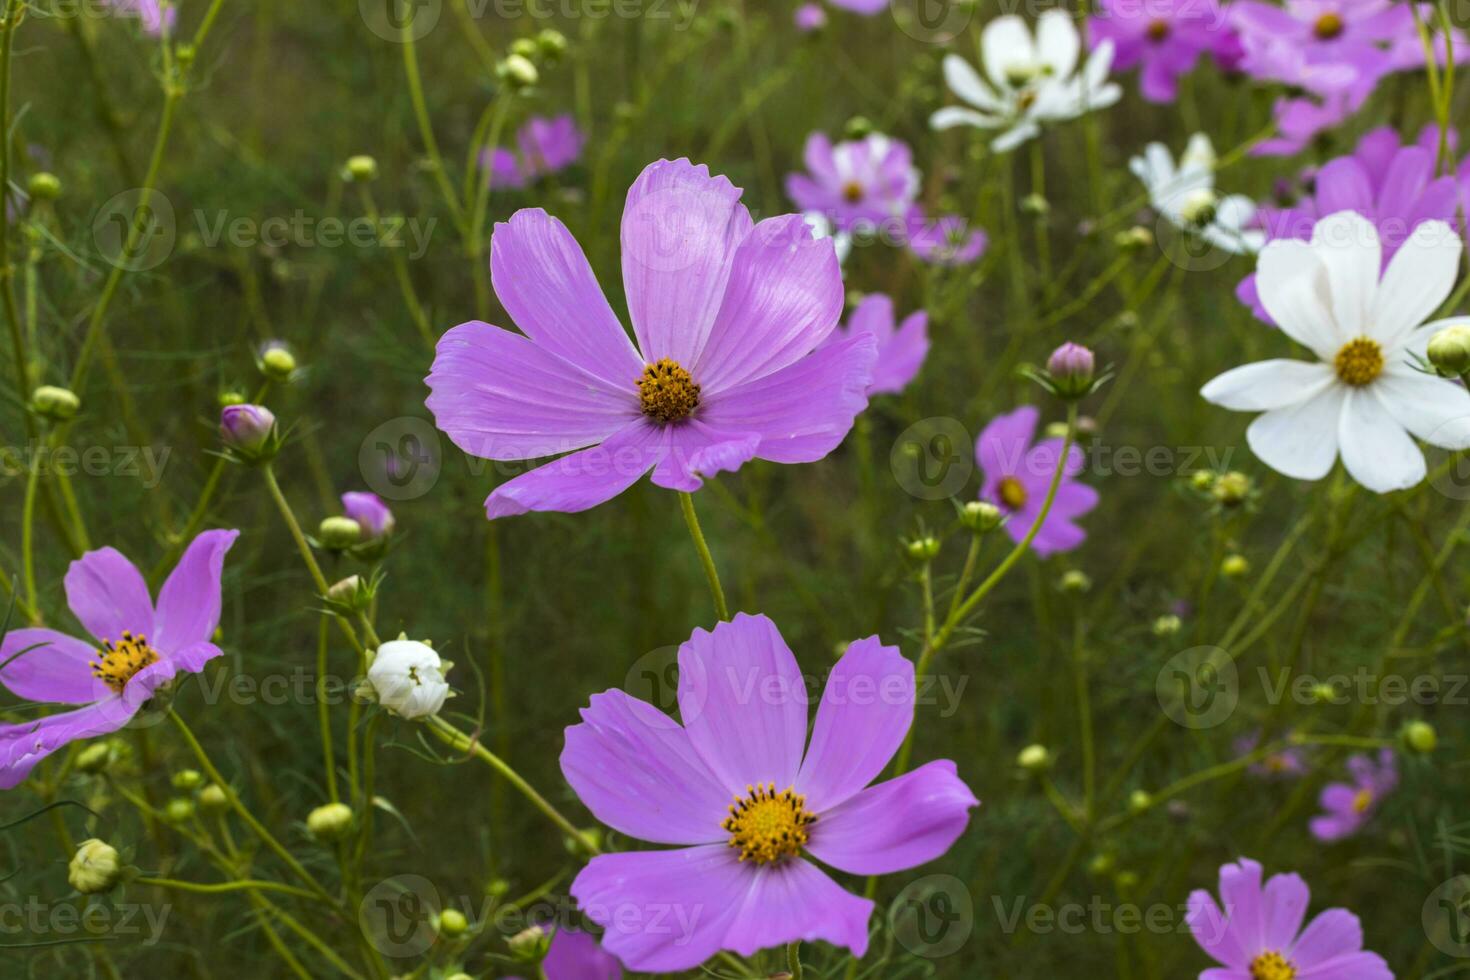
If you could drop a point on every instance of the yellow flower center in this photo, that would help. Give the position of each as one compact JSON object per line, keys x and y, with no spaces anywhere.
{"x":852,"y":192}
{"x":1158,"y":30}
{"x":1329,"y":26}
{"x":1012,"y":494}
{"x":118,"y":662}
{"x":1272,"y":966}
{"x":767,"y":826}
{"x":1362,"y":801}
{"x":667,"y":392}
{"x":1359,"y":362}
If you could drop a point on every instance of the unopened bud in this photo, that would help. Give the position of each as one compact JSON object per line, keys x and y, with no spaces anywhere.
{"x":178,"y":810}
{"x":981,"y":516}
{"x":44,"y":186}
{"x":186,"y":779}
{"x":552,"y":44}
{"x":1232,"y":488}
{"x":1419,"y":736}
{"x":95,"y":867}
{"x":923,"y":549}
{"x":1076,"y":582}
{"x":54,"y":403}
{"x":1139,"y":801}
{"x":518,"y":72}
{"x":1449,"y":350}
{"x":338,"y":533}
{"x":1235,"y":566}
{"x":1167,"y":625}
{"x":361,"y":169}
{"x":1034,"y":758}
{"x":213,"y":797}
{"x":1071,"y":369}
{"x":529,"y":945}
{"x":452,"y":922}
{"x":277,"y":362}
{"x":329,"y":820}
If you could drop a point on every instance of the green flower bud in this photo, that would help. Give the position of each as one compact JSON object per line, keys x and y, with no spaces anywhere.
{"x":361,"y":169}
{"x":553,"y":44}
{"x":338,"y":533}
{"x":923,"y":549}
{"x":1076,"y":582}
{"x":228,"y":398}
{"x":981,"y":516}
{"x":54,"y":403}
{"x":1134,"y":239}
{"x":1203,"y":480}
{"x":1235,"y":566}
{"x":518,"y":72}
{"x":96,"y":757}
{"x":452,"y":922}
{"x":859,"y":127}
{"x":1034,"y":758}
{"x":1324,"y":693}
{"x":95,"y":868}
{"x":44,"y":187}
{"x":1419,"y":736}
{"x":1167,"y":625}
{"x":1139,"y":801}
{"x":1035,"y":204}
{"x":529,"y":945}
{"x":525,"y":47}
{"x":1101,"y":864}
{"x":329,"y":820}
{"x":213,"y":797}
{"x":186,"y":779}
{"x":1126,"y":880}
{"x":1231,"y":489}
{"x":277,"y":362}
{"x":1449,"y":350}
{"x":178,"y":810}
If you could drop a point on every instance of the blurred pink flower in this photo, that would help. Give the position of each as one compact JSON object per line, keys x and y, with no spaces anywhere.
{"x":1017,"y":475}
{"x":1349,"y":806}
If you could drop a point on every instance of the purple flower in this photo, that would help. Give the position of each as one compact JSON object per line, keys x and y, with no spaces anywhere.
{"x":1017,"y":475}
{"x":246,"y":428}
{"x":1321,"y":45}
{"x":1392,"y":185}
{"x":1163,"y":37}
{"x":137,"y":648}
{"x":1259,"y":935}
{"x":857,"y":184}
{"x":810,"y":17}
{"x":728,"y":315}
{"x":1072,"y":367}
{"x":543,"y":147}
{"x":742,"y":793}
{"x":578,"y":956}
{"x":1289,"y":763}
{"x":901,"y":352}
{"x":150,"y":13}
{"x":370,"y":513}
{"x":1350,"y":805}
{"x":865,"y":7}
{"x":1300,"y":119}
{"x":947,"y":241}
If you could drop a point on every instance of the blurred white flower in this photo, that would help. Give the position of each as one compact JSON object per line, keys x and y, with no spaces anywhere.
{"x":822,"y":228}
{"x":1035,"y":79}
{"x":1186,"y":196}
{"x":1367,"y":396}
{"x":408,"y":677}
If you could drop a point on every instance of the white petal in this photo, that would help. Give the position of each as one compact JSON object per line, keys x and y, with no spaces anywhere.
{"x":1434,"y":409}
{"x":1006,"y":43}
{"x":1058,"y":42}
{"x":1265,"y":385}
{"x":1300,"y":440}
{"x":1292,"y":284}
{"x":1419,"y":278}
{"x":1014,"y":137}
{"x":953,"y":116}
{"x":965,"y":82}
{"x":1348,"y":246}
{"x":1095,"y":72}
{"x":1376,"y":450}
{"x":1155,"y":167}
{"x":1199,"y":154}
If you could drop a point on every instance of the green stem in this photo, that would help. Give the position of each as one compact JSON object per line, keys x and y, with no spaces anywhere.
{"x":12,"y":308}
{"x":323,"y":712}
{"x":426,"y":128}
{"x":27,"y":539}
{"x":214,"y":888}
{"x":691,"y":519}
{"x":793,"y":959}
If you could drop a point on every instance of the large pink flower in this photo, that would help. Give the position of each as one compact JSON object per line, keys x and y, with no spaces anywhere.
{"x":743,"y":794}
{"x":137,"y":648}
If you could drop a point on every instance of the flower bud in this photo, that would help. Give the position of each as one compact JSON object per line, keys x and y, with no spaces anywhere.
{"x":923,"y":549}
{"x":213,"y":797}
{"x":529,"y":945}
{"x":1035,"y":204}
{"x":178,"y":810}
{"x":981,"y":516}
{"x":1034,"y":758}
{"x":1235,"y":566}
{"x":408,"y":678}
{"x":1101,"y":864}
{"x":338,"y":533}
{"x":54,"y":403}
{"x":1134,"y":239}
{"x":1203,"y":480}
{"x":1449,"y":350}
{"x":1072,"y":368}
{"x":525,"y":47}
{"x":1126,"y":880}
{"x":452,"y":922}
{"x":1324,"y":693}
{"x":44,"y":186}
{"x":810,"y":17}
{"x":96,"y":757}
{"x":361,"y":169}
{"x":518,"y":72}
{"x":186,"y":779}
{"x":95,"y":867}
{"x":1231,"y":489}
{"x":371,"y":514}
{"x":1139,"y":801}
{"x":329,"y":820}
{"x":1076,"y":582}
{"x":1419,"y":736}
{"x":859,"y":128}
{"x":228,"y":398}
{"x":552,"y":44}
{"x":249,"y":431}
{"x":577,"y":846}
{"x":1167,"y":625}
{"x":277,"y":362}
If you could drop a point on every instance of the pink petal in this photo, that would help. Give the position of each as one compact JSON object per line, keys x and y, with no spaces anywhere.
{"x":691,"y":450}
{"x":24,"y":745}
{"x":581,"y":480}
{"x":1331,"y":934}
{"x":108,"y":595}
{"x":578,"y":956}
{"x":794,"y":900}
{"x":635,"y":768}
{"x":54,"y":668}
{"x":1003,"y":442}
{"x":1211,"y":929}
{"x":1240,"y":893}
{"x":896,"y":825}
{"x":1283,"y":907}
{"x":189,"y":602}
{"x":901,"y":359}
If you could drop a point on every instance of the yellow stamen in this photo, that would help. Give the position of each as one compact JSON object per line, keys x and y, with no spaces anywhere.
{"x":1362,"y":801}
{"x":1359,"y":362}
{"x":1329,"y":26}
{"x":852,"y":192}
{"x":1272,"y":966}
{"x":119,"y":661}
{"x":1158,"y":30}
{"x":667,"y":391}
{"x":1012,"y":494}
{"x":768,"y":826}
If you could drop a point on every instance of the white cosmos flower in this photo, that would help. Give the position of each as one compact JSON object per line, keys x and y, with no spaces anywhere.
{"x":408,"y":677}
{"x":1035,"y":79}
{"x":1186,"y":196}
{"x":1365,"y":400}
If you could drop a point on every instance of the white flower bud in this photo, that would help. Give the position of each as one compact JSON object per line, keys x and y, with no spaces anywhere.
{"x":408,"y":678}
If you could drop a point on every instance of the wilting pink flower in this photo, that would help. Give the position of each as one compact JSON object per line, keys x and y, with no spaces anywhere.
{"x":150,"y":13}
{"x":1165,"y":38}
{"x":543,"y":147}
{"x":137,"y":648}
{"x":743,"y":794}
{"x":1349,"y":806}
{"x":901,"y":351}
{"x":1017,"y":475}
{"x":1288,"y":763}
{"x":1392,"y":185}
{"x":949,"y":241}
{"x":1259,"y":934}
{"x":857,"y":184}
{"x":728,"y":315}
{"x":370,"y":513}
{"x":810,"y":17}
{"x":577,"y":956}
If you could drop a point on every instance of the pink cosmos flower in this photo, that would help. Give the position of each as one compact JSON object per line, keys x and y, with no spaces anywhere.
{"x":1164,"y":37}
{"x":1301,"y":119}
{"x":901,"y":351}
{"x":741,"y":792}
{"x":1321,"y":45}
{"x":577,"y":956}
{"x":1289,"y":763}
{"x":948,"y":241}
{"x":809,"y":17}
{"x":543,"y":147}
{"x":370,"y":513}
{"x":1259,"y":935}
{"x":1018,"y":473}
{"x":137,"y":648}
{"x":150,"y":13}
{"x":857,"y":184}
{"x":1349,"y":806}
{"x":729,"y":316}
{"x":865,"y":7}
{"x":1392,"y":185}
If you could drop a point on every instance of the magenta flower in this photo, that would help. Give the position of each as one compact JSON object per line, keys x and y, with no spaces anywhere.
{"x":246,"y":428}
{"x":1349,"y":806}
{"x":948,"y":241}
{"x":1017,"y":475}
{"x":370,"y":513}
{"x":728,"y":316}
{"x":1289,"y":763}
{"x":857,"y":184}
{"x":1259,"y":935}
{"x":1164,"y":38}
{"x":739,"y":788}
{"x":865,"y":7}
{"x":901,"y":351}
{"x":1392,"y":185}
{"x":543,"y":147}
{"x":1321,"y":45}
{"x":137,"y":648}
{"x":150,"y":13}
{"x":809,"y":17}
{"x":577,"y":956}
{"x":1301,"y":119}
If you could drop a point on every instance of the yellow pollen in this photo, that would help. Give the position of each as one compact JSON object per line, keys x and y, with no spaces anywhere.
{"x":1012,"y":494}
{"x":852,"y":192}
{"x":1359,"y":362}
{"x":1158,"y":30}
{"x":1026,"y":100}
{"x":667,"y":392}
{"x":1362,"y":801}
{"x":767,"y":826}
{"x":1272,"y":966}
{"x":119,"y":661}
{"x":1328,"y":26}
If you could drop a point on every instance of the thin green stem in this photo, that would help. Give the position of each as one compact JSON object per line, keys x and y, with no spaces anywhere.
{"x":28,"y":539}
{"x":707,"y":560}
{"x":323,"y":711}
{"x":426,"y":127}
{"x":214,"y":888}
